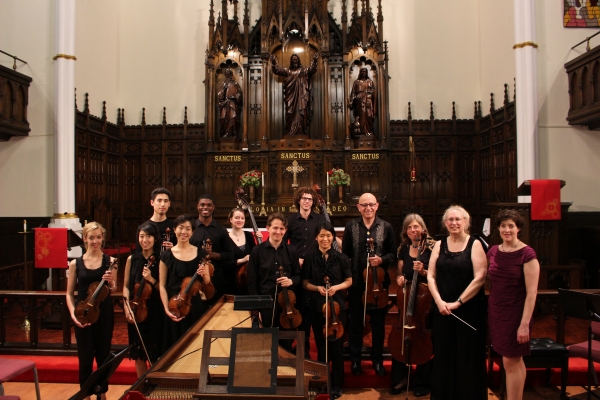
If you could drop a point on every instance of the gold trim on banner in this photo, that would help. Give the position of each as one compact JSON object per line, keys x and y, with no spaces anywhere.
{"x":68,"y":57}
{"x":64,"y":216}
{"x":525,"y":44}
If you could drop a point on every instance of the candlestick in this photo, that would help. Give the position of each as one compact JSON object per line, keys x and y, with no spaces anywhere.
{"x":263,"y":210}
{"x":328,"y":209}
{"x":263,"y":179}
{"x":24,"y":225}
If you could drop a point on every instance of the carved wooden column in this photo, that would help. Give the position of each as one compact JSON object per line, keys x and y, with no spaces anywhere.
{"x":326,"y":107}
{"x":347,"y":142}
{"x":246,"y":104}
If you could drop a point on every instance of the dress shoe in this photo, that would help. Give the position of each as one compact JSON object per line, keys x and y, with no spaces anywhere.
{"x":336,"y":392}
{"x":422,"y":391}
{"x":394,"y":391}
{"x":379,"y":370}
{"x":356,"y":368}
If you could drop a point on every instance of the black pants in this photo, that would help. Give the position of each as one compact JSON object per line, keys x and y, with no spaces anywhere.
{"x":355,"y":334}
{"x":335,"y":348}
{"x":266,"y":315}
{"x":93,"y":342}
{"x":304,"y":300}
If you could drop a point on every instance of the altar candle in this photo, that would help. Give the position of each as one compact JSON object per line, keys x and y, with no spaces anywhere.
{"x":24,"y":225}
{"x":327,"y":179}
{"x":263,"y":179}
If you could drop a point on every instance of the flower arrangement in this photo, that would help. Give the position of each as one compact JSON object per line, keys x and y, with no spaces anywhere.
{"x":337,"y":177}
{"x":251,"y":178}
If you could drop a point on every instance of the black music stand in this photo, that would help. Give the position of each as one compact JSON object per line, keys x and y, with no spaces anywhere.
{"x":583,"y":306}
{"x":253,"y":303}
{"x":101,"y":376}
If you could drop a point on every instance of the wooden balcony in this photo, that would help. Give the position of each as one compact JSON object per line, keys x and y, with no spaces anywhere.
{"x":14,"y":97}
{"x":584,"y":89}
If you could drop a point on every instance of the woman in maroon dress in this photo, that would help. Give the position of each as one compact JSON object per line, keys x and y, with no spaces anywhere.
{"x":514,"y":272}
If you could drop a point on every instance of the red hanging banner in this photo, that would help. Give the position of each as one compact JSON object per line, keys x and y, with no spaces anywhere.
{"x":545,"y":199}
{"x":51,"y":248}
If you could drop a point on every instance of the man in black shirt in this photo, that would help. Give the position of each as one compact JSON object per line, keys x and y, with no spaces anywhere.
{"x":160,"y":200}
{"x":264,"y":263}
{"x":301,"y":234}
{"x":354,"y":245}
{"x":222,"y":252}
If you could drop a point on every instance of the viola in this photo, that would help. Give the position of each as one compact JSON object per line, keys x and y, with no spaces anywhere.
{"x":333,"y":329}
{"x":290,"y":318}
{"x":181,"y":304}
{"x":141,"y":293}
{"x":88,"y":311}
{"x":375,"y":294}
{"x":241,"y":275}
{"x":323,"y":207}
{"x":410,"y":340}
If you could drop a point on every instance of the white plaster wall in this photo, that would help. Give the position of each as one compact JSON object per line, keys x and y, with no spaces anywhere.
{"x":568,"y":153}
{"x":27,"y":164}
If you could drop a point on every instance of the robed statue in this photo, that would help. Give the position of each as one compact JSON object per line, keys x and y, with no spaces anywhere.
{"x":363,"y":103}
{"x":296,"y":93}
{"x":229,"y":100}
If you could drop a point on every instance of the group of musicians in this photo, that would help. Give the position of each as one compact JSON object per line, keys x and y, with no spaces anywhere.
{"x":334,"y":286}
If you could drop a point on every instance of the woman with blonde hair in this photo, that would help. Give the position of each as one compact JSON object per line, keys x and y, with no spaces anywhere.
{"x":456,"y":275}
{"x":93,"y":340}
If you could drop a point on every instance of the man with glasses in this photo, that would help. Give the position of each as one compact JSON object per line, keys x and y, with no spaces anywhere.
{"x":302,"y":237}
{"x":354,"y":245}
{"x":222,"y":252}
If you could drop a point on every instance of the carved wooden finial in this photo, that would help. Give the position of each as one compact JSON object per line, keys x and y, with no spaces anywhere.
{"x":474,"y":110}
{"x":144,"y":116}
{"x":75,"y":98}
{"x":409,"y":111}
{"x":453,"y":110}
{"x":185,"y":119}
{"x":123,"y":116}
{"x":86,"y":104}
{"x":118,"y":116}
{"x":431,"y":110}
{"x":104,"y":110}
{"x":505,"y":94}
{"x":492,"y":107}
{"x":164,"y":116}
{"x":479,"y":108}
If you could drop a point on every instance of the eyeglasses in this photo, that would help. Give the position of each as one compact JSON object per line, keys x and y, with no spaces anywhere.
{"x":454,"y":219}
{"x":368,"y":205}
{"x":306,"y":198}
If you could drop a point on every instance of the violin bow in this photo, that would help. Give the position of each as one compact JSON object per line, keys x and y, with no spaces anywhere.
{"x":137,"y":329}
{"x":326,"y":319}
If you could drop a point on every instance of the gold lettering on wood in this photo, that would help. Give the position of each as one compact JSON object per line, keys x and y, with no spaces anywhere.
{"x":365,"y":156}
{"x":293,"y":156}
{"x":228,"y":158}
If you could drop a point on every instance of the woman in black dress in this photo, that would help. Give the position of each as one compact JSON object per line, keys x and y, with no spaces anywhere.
{"x":412,"y":229}
{"x":93,"y":340}
{"x":243,"y":243}
{"x":456,"y":275}
{"x":176,"y":264}
{"x":319,"y":263}
{"x":140,"y":269}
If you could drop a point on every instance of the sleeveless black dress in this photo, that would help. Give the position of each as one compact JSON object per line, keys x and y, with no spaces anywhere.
{"x":156,"y":314}
{"x":460,"y":369}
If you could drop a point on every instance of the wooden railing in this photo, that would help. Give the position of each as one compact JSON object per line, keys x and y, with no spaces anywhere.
{"x":33,"y":304}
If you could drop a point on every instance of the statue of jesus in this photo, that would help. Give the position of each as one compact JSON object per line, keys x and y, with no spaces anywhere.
{"x":296,"y":93}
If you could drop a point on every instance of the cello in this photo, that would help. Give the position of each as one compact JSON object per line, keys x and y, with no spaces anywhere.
{"x":410,"y":340}
{"x":141,"y":293}
{"x":323,"y":207}
{"x":241,"y":275}
{"x":375,"y":294}
{"x":181,"y":304}
{"x":290,"y":318}
{"x":88,"y":311}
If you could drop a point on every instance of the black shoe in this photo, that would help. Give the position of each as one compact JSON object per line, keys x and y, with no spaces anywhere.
{"x":394,"y":391}
{"x":378,"y":367}
{"x":336,"y":392}
{"x":422,"y":391}
{"x":356,"y":368}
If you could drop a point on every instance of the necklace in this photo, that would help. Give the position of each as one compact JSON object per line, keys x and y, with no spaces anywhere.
{"x":514,"y":248}
{"x":237,"y":238}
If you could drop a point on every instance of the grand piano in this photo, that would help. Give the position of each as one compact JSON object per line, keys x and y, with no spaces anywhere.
{"x":177,"y":374}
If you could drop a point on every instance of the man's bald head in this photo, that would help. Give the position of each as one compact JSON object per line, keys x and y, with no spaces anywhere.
{"x":367,"y":206}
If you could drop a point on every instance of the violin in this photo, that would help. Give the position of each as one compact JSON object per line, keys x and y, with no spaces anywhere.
{"x":333,"y":329}
{"x":167,"y":238}
{"x":375,"y":294}
{"x":410,"y":340}
{"x":323,"y":207}
{"x":141,"y":293}
{"x":181,"y":304}
{"x":241,"y":275}
{"x":88,"y":311}
{"x":290,"y":318}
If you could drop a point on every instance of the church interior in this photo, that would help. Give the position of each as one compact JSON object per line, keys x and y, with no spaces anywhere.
{"x":422,"y":104}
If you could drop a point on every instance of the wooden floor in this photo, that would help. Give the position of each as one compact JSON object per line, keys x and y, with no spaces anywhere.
{"x":63,"y":391}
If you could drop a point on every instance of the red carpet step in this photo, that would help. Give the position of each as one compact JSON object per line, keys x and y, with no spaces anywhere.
{"x":64,"y":369}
